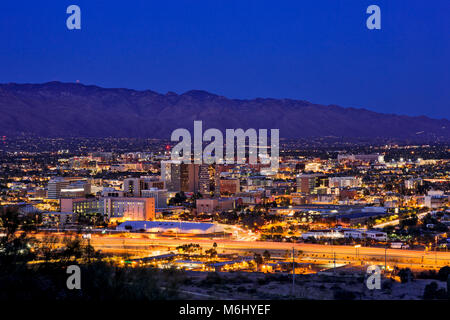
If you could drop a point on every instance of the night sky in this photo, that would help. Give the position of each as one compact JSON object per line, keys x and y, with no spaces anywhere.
{"x":315,"y":50}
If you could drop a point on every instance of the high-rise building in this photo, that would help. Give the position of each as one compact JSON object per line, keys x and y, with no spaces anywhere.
{"x":160,"y":196}
{"x":204,"y":180}
{"x":170,"y":174}
{"x":311,"y":183}
{"x":189,"y":177}
{"x":216,"y":185}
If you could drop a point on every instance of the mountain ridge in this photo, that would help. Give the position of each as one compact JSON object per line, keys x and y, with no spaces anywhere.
{"x":59,"y":109}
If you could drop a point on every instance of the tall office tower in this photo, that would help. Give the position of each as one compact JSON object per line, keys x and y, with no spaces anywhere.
{"x":204,"y":180}
{"x":189,"y":177}
{"x":216,"y":180}
{"x":311,"y":183}
{"x":186,"y":177}
{"x":171,"y":175}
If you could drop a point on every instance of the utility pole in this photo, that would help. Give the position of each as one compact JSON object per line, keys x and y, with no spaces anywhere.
{"x":89,"y":248}
{"x":435,"y":249}
{"x":293,"y":270}
{"x":334,"y":256}
{"x":334,"y":260}
{"x":385,"y":259}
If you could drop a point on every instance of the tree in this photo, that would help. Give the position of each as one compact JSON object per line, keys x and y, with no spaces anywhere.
{"x":448,"y":287}
{"x":211,"y":252}
{"x":189,"y":248}
{"x":405,"y":275}
{"x":432,"y":291}
{"x":258,"y":259}
{"x":15,"y":249}
{"x":179,"y":198}
{"x":444,"y":273}
{"x":21,"y":280}
{"x":266,"y":255}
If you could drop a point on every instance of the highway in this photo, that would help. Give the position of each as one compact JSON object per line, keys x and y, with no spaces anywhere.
{"x":397,"y":221}
{"x":141,"y":245}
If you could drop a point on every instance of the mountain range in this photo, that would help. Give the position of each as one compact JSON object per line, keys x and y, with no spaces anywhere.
{"x":57,"y":109}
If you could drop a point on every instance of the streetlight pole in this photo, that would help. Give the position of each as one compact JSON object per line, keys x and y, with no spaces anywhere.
{"x":435,"y":249}
{"x":293,"y":270}
{"x":356,"y":251}
{"x":334,"y":259}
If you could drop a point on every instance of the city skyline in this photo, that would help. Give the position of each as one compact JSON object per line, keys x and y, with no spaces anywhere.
{"x":224,"y":158}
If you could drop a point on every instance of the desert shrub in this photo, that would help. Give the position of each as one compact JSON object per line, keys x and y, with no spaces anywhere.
{"x":432,"y":291}
{"x":443,"y":273}
{"x":211,"y":278}
{"x":405,"y":275}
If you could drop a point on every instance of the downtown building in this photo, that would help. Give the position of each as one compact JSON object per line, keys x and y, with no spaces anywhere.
{"x":114,"y":208}
{"x":189,"y":177}
{"x":312,"y":183}
{"x":70,"y":187}
{"x":371,"y":158}
{"x":133,"y":187}
{"x":344,"y":182}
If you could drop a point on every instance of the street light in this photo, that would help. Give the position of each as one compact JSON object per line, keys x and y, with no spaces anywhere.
{"x":293,"y":270}
{"x":385,"y":258}
{"x":356,"y":249}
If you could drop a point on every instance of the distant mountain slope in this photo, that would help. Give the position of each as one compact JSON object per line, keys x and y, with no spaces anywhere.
{"x":58,"y":109}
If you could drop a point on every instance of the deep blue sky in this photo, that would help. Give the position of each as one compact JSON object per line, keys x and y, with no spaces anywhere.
{"x":316,"y":50}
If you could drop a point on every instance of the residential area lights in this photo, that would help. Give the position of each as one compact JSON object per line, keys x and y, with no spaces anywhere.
{"x":314,"y":214}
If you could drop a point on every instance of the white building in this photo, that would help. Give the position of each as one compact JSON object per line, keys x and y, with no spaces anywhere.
{"x":365,"y":234}
{"x":171,"y":227}
{"x":323,"y":234}
{"x":343,"y":182}
{"x":435,"y":199}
